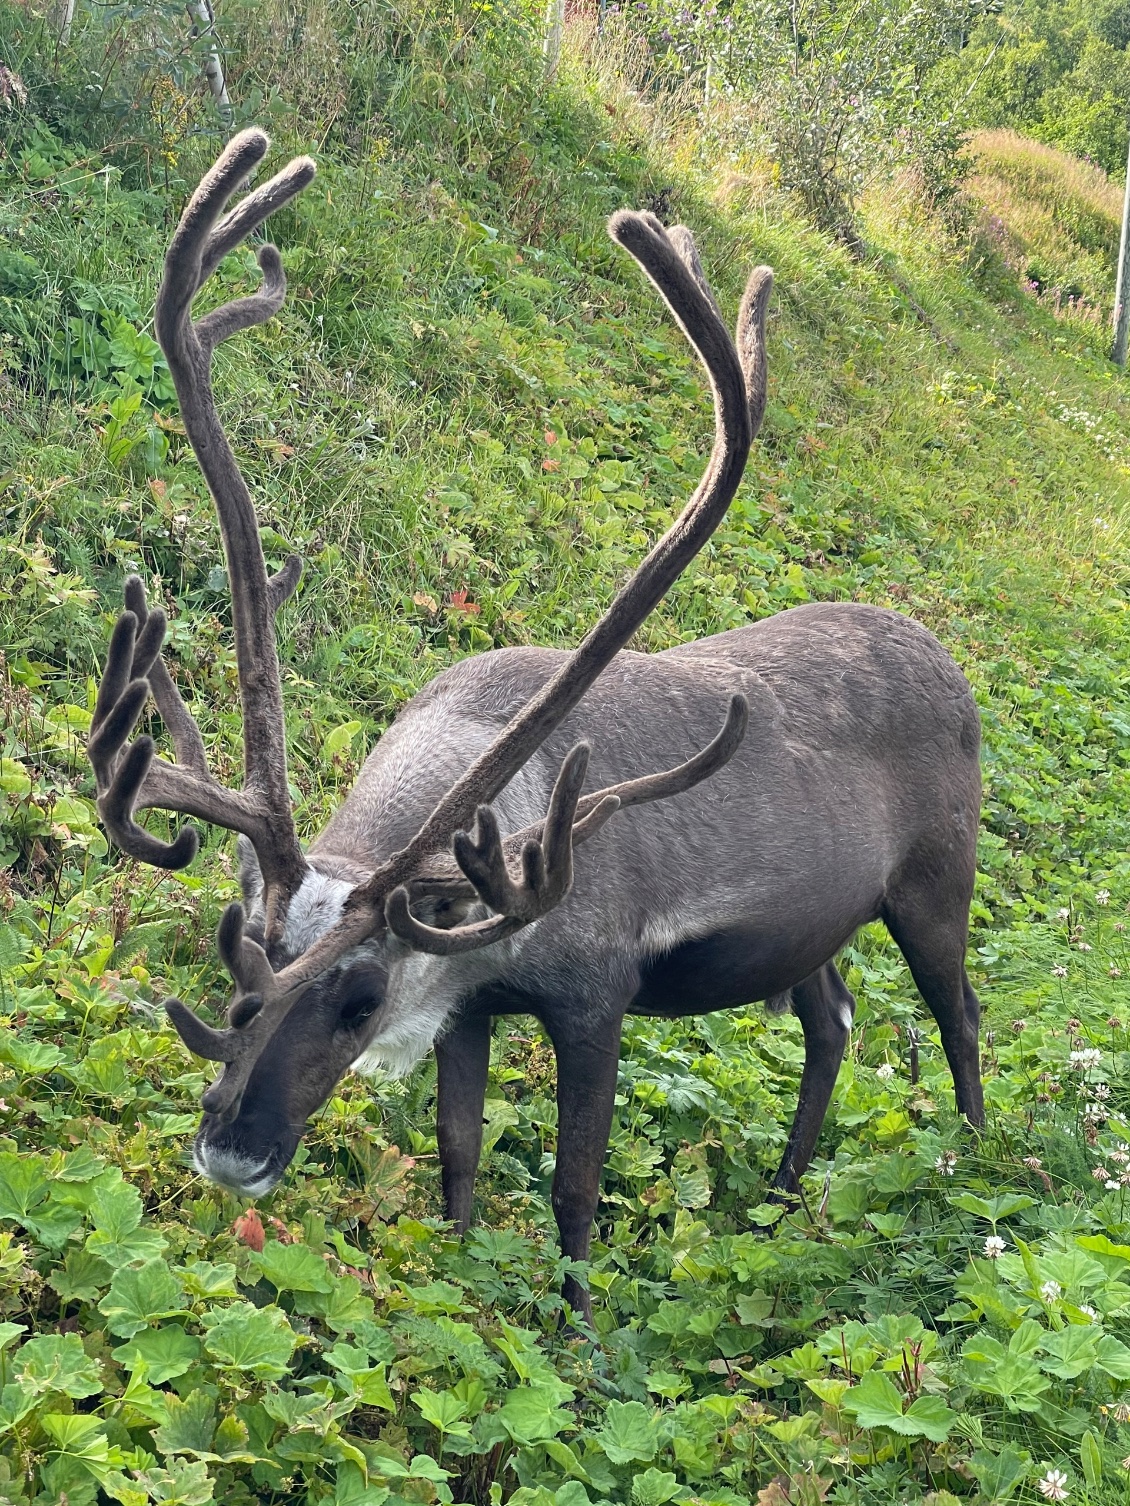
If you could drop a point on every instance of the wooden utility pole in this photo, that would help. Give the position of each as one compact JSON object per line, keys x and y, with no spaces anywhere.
{"x":554,"y":30}
{"x":1122,"y":286}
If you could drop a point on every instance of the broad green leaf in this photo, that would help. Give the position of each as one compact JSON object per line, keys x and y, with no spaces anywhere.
{"x":876,"y":1403}
{"x":190,"y":1427}
{"x":206,"y":1281}
{"x":292,"y":1268}
{"x":140,"y":1296}
{"x":84,"y":1277}
{"x":628,"y":1433}
{"x":1013,"y":1377}
{"x":998,"y":1474}
{"x":1070,"y":1351}
{"x":655,"y":1488}
{"x":73,"y":1430}
{"x":830,"y":1391}
{"x":256,"y":1339}
{"x":344,"y":1308}
{"x":353,"y":1490}
{"x":16,"y":1401}
{"x":14,"y":778}
{"x":163,"y":1353}
{"x":57,"y":1362}
{"x":992,"y":1208}
{"x":1113,"y":1357}
{"x":338,"y":739}
{"x":23,"y":1185}
{"x":530,"y":1414}
{"x":29,"y":1057}
{"x":183,"y":1482}
{"x":443,"y":1410}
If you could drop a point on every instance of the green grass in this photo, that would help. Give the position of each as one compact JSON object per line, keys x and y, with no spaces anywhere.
{"x":470,"y":390}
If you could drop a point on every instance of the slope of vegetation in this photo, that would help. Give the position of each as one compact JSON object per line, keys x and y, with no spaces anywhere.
{"x":471,"y":418}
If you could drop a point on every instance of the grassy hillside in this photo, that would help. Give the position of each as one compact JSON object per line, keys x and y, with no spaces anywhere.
{"x":471,"y":418}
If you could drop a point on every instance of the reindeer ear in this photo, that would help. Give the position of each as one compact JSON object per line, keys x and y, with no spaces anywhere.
{"x":250,"y":876}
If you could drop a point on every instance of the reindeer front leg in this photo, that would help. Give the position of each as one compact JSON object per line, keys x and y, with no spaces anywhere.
{"x":587,"y":1066}
{"x":462,"y":1060}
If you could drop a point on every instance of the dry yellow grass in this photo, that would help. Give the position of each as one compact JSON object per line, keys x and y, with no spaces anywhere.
{"x":1055,"y":217}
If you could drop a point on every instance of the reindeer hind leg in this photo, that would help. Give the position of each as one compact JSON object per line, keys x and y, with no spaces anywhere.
{"x":825,"y":1008}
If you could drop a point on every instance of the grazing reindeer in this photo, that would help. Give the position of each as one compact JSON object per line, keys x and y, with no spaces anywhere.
{"x":739,"y":874}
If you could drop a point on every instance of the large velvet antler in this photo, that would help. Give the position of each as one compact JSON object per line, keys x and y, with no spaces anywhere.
{"x":128,"y":775}
{"x":737,"y":373}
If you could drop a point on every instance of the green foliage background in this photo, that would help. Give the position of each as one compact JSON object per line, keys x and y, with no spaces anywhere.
{"x":471,"y":402}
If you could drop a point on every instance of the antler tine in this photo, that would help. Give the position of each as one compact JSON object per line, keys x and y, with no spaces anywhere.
{"x":485,"y":859}
{"x":547,"y":872}
{"x":697,"y":315}
{"x":737,"y":378}
{"x":203,"y":237}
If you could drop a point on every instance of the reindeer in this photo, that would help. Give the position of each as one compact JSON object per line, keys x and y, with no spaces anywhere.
{"x":736,"y":872}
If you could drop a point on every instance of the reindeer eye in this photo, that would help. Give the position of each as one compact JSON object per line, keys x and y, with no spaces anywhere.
{"x":357,"y":1004}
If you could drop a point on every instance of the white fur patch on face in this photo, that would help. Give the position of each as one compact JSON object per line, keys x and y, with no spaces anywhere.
{"x":314,"y":909}
{"x":237,"y":1172}
{"x":418,"y":1003}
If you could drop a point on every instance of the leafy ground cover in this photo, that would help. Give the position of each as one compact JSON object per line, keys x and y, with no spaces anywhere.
{"x":470,"y":418}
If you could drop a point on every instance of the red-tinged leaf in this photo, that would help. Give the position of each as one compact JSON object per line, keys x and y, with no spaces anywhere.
{"x":386,"y":1182}
{"x":459,"y":603}
{"x":248,"y":1229}
{"x":282,"y":1233}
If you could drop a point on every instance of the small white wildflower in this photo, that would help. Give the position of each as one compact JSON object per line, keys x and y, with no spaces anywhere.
{"x":1102,"y":896}
{"x":1095,"y":1112}
{"x":1100,"y":1173}
{"x":1053,"y":1485}
{"x":1088,"y":1312}
{"x":885,"y":1072}
{"x":1111,"y":1185}
{"x":946,"y":1163}
{"x":1083,"y":1060}
{"x":1116,"y":972}
{"x":1051,"y":1291}
{"x":1033,"y":1163}
{"x":1084,"y":946}
{"x":1101,"y":1090}
{"x":1059,"y":972}
{"x":1063,"y":914}
{"x":994,"y":1247}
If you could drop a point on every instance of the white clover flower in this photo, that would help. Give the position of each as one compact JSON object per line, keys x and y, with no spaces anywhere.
{"x":1084,"y":946}
{"x":1033,"y":1163}
{"x":1053,"y":1485}
{"x":1059,"y":972}
{"x":1102,"y":896}
{"x":1063,"y":914}
{"x":946,"y":1163}
{"x":1100,"y":1173}
{"x":1111,"y":1185}
{"x":1101,"y":1090}
{"x":1088,"y":1312}
{"x":1051,"y":1291}
{"x":1085,"y":1059}
{"x":1115,"y":972}
{"x":994,"y":1247}
{"x":1094,"y":1112}
{"x":885,"y":1072}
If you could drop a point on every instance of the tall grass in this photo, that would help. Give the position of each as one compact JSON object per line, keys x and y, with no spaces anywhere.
{"x":1054,"y":217}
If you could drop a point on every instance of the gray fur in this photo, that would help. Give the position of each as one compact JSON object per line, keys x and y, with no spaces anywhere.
{"x":855,"y":796}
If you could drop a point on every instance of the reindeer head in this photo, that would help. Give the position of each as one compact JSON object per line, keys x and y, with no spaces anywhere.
{"x":317,"y":1003}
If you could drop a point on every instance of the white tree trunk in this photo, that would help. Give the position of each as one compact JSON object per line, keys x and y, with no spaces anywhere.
{"x":68,"y":19}
{"x":554,"y":29}
{"x":202,"y":13}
